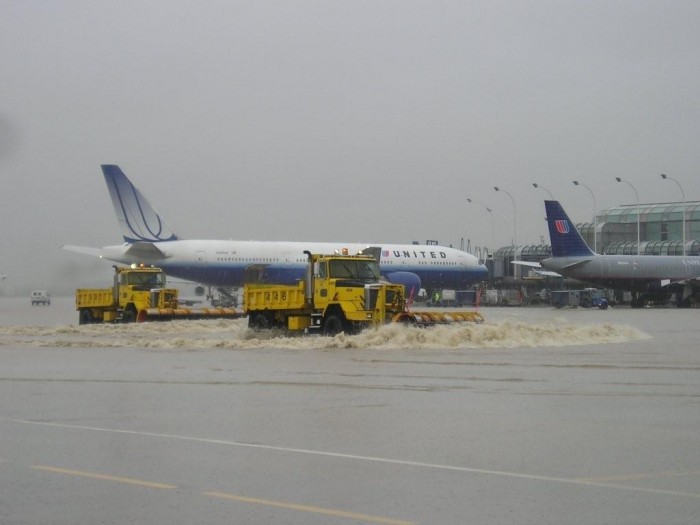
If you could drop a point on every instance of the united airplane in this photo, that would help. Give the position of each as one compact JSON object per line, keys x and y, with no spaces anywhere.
{"x":225,"y":263}
{"x":648,"y":277}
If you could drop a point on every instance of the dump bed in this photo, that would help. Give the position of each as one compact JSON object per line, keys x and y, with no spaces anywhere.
{"x":273,"y":296}
{"x":93,"y":297}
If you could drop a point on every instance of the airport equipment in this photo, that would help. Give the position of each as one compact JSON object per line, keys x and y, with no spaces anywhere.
{"x":561,"y":298}
{"x":40,"y":297}
{"x":503,"y":297}
{"x":339,"y":293}
{"x":586,"y":298}
{"x":137,"y":295}
{"x":593,"y":298}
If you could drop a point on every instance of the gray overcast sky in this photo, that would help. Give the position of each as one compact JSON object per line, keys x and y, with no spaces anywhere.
{"x":335,"y":120}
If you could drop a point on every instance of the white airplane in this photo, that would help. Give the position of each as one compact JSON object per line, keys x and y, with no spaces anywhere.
{"x":224,"y":263}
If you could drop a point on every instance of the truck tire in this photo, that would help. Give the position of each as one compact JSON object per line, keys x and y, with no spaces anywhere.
{"x":259,"y":321}
{"x":129,"y":315}
{"x":85,"y":316}
{"x":333,"y":325}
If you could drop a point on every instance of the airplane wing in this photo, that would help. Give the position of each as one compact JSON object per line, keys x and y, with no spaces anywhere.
{"x":693,"y":281}
{"x":576,"y":263}
{"x":548,"y":273}
{"x":527,"y":263}
{"x":138,"y":250}
{"x":145,"y":250}
{"x":94,"y":252}
{"x":538,"y":268}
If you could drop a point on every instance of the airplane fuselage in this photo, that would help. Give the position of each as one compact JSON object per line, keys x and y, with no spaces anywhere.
{"x":625,"y":272}
{"x":223,"y":263}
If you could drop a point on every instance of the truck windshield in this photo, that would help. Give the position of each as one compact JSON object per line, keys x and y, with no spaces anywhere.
{"x":353,"y":269}
{"x":148,"y":279}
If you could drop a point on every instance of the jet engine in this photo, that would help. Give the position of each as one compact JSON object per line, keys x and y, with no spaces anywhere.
{"x":410,"y":281}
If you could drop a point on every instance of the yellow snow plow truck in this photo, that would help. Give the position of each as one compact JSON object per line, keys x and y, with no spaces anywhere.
{"x":137,"y":295}
{"x":339,"y":293}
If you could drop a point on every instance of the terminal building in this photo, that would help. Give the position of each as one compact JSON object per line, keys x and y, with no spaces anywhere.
{"x":614,"y":232}
{"x":660,"y":229}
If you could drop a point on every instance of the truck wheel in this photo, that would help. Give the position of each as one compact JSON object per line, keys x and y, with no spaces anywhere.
{"x":259,"y":321}
{"x":85,"y":316}
{"x":129,"y":315}
{"x":333,"y":325}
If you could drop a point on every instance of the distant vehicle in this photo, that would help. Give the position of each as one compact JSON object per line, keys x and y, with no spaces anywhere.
{"x":586,"y":298}
{"x":593,"y":298}
{"x":138,"y":294}
{"x":40,"y":297}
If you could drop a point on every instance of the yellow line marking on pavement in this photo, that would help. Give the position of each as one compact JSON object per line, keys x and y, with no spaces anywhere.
{"x":104,"y":477}
{"x":374,"y":459}
{"x":309,"y":508}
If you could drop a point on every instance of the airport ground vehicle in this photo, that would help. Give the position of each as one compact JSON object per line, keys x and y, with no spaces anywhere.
{"x":586,"y":298}
{"x":593,"y":298}
{"x":137,"y":295}
{"x":40,"y":297}
{"x":340,"y":293}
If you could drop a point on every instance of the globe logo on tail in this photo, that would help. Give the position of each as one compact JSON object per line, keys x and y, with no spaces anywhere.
{"x":562,"y":226}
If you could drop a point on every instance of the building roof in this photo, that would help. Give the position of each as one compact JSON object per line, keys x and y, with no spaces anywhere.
{"x":655,"y":212}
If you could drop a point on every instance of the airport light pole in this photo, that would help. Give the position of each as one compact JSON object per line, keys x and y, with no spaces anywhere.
{"x":664,"y":177}
{"x":491,"y":212}
{"x":535,"y":185}
{"x":515,"y":229}
{"x":595,"y":216}
{"x":618,"y":179}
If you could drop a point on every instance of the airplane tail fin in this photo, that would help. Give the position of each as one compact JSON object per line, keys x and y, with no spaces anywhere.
{"x":138,"y":220}
{"x":565,"y":238}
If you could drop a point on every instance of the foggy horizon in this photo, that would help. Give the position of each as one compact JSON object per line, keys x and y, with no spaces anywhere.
{"x":335,"y":121}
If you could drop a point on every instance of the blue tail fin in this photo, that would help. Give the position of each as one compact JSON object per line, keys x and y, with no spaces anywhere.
{"x":138,"y":220}
{"x":565,"y":238}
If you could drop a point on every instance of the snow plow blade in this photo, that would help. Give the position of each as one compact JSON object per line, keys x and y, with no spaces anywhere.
{"x":173,"y":314}
{"x":433,"y":318}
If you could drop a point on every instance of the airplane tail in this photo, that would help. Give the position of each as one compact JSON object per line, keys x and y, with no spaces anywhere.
{"x":565,"y":238}
{"x":138,"y":220}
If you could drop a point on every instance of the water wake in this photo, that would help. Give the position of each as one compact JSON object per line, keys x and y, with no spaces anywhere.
{"x":194,"y":335}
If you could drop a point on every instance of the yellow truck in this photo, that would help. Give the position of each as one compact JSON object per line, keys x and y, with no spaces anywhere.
{"x":138,"y":294}
{"x":339,"y":293}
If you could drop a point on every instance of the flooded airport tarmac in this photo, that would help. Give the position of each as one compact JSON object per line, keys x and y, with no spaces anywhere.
{"x":506,"y":328}
{"x":537,"y":416}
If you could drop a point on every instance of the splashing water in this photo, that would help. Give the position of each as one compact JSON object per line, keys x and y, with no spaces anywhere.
{"x":235,"y":335}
